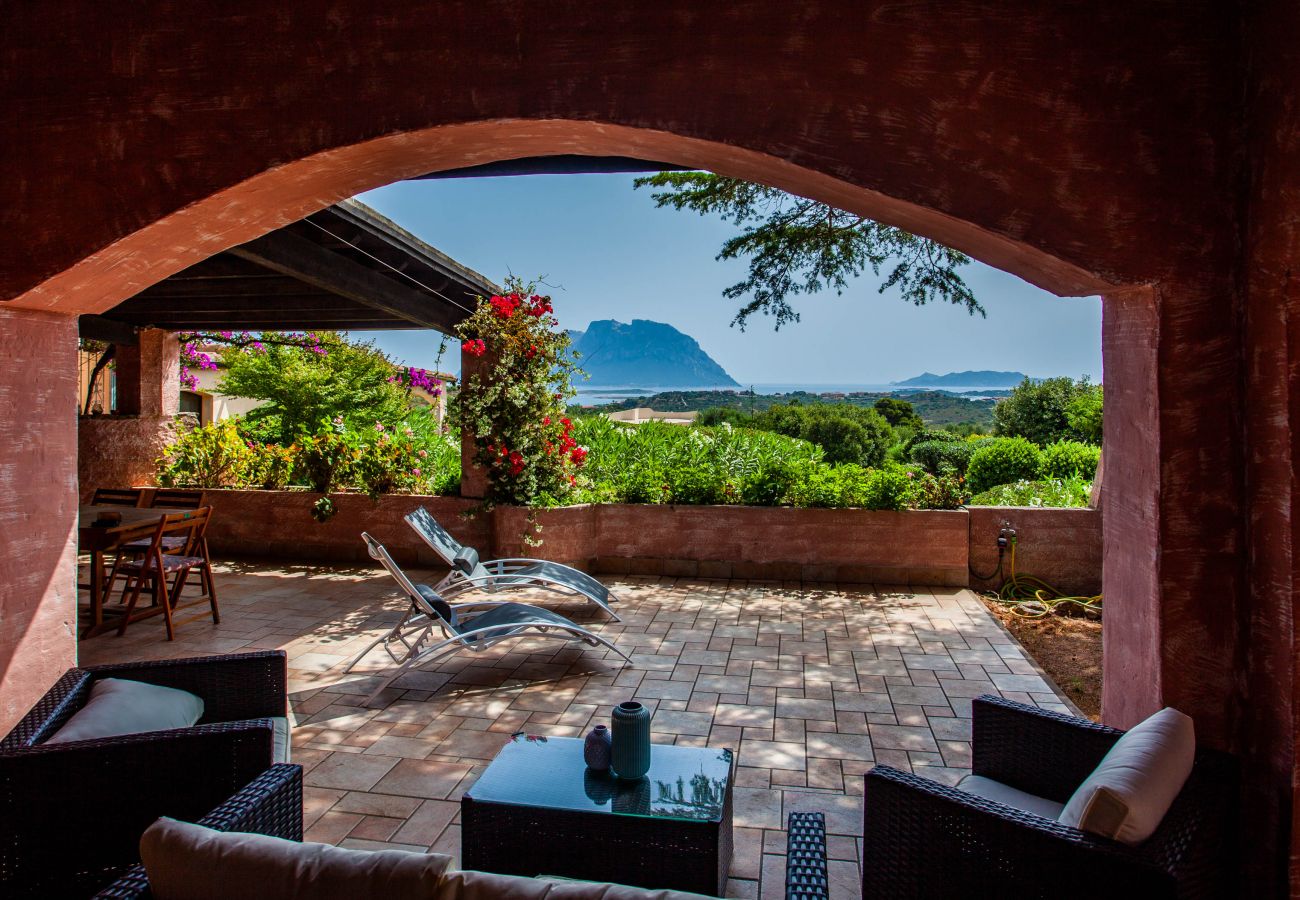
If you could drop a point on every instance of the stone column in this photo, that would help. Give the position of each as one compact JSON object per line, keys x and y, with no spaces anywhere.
{"x":120,"y":450}
{"x":38,"y":505}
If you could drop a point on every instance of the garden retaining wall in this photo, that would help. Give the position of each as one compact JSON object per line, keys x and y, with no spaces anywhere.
{"x":936,"y":547}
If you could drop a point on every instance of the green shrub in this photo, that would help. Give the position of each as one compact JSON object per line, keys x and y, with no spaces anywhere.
{"x":275,"y":466}
{"x":1055,"y":492}
{"x":944,"y":457}
{"x":211,"y":456}
{"x":942,"y":492}
{"x":1051,"y":410}
{"x":887,"y":489}
{"x":847,"y":434}
{"x":1001,"y":461}
{"x":1065,"y":459}
{"x":925,"y":435}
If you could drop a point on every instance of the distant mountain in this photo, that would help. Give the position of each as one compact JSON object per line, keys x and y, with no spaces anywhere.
{"x":645,"y":354}
{"x":964,"y":379}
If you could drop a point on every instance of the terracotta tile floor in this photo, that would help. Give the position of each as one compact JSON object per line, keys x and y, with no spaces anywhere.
{"x":813,"y":685}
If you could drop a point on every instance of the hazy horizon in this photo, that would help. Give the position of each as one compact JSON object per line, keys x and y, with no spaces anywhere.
{"x":606,"y":252}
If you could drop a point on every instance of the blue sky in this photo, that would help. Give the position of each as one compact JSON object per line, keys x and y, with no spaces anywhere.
{"x":608,"y":253}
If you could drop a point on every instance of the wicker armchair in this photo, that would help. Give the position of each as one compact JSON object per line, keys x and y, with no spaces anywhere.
{"x":923,"y":839}
{"x":271,"y":804}
{"x":71,"y":814}
{"x":238,"y":687}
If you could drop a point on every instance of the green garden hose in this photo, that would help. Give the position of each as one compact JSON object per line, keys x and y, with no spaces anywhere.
{"x":1033,"y":598}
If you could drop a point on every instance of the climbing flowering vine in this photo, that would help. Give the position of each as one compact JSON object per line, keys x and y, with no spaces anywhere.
{"x":513,"y":402}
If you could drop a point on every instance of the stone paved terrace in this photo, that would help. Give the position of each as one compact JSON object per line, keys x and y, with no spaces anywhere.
{"x":813,"y":684}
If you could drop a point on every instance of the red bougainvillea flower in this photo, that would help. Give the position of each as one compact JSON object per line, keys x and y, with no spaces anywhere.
{"x":474,"y":347}
{"x":531,"y":351}
{"x":546,"y":420}
{"x":578,"y":455}
{"x":567,"y":423}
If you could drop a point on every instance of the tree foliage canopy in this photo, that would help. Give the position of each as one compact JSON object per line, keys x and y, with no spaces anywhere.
{"x":799,"y":246}
{"x":301,"y":386}
{"x":1051,"y":410}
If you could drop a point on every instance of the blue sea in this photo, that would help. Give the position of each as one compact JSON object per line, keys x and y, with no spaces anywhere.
{"x":598,"y":395}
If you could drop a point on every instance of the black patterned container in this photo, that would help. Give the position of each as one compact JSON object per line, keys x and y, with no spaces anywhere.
{"x":631,"y":749}
{"x":596,"y":749}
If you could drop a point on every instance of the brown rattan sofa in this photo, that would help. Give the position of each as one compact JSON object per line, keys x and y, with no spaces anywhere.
{"x":71,"y":814}
{"x":922,"y":839}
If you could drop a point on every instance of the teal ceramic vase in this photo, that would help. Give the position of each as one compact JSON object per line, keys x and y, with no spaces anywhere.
{"x":630,"y":757}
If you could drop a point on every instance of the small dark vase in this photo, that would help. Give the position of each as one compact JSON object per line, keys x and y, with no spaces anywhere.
{"x":596,"y":749}
{"x":631,"y":750}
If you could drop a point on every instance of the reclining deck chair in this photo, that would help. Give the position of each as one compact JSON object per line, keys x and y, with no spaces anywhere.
{"x":468,"y":573}
{"x":501,"y":621}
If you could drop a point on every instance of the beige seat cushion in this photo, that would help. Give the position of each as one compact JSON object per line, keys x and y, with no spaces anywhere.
{"x":1013,"y":797}
{"x":118,"y":706}
{"x":1129,"y":792}
{"x":487,"y":886}
{"x":281,"y":742}
{"x":190,"y":862}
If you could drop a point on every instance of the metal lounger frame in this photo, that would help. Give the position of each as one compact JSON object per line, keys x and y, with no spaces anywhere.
{"x":498,"y":572}
{"x":417,"y":626}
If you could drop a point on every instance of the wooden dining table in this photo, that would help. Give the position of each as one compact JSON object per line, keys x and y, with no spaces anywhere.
{"x":97,"y":540}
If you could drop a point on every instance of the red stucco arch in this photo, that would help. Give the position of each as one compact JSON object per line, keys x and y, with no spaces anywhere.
{"x":288,"y":192}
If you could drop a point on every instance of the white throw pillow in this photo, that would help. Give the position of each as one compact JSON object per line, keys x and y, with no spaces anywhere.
{"x":117,"y":706}
{"x":190,"y":862}
{"x":1129,"y":792}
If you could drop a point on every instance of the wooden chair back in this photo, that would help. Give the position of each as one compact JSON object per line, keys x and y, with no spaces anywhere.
{"x":177,"y":498}
{"x":118,"y":497}
{"x":193,"y":525}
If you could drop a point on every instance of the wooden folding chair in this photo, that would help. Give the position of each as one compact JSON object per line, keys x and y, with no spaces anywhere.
{"x":177,"y":498}
{"x":157,"y":566}
{"x":117,"y":497}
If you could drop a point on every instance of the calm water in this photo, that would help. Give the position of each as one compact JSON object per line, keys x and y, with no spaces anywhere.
{"x":594,"y":396}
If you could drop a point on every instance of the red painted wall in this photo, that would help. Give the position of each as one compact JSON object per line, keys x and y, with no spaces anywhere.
{"x":925,"y":548}
{"x":38,"y":505}
{"x":1271,"y":282}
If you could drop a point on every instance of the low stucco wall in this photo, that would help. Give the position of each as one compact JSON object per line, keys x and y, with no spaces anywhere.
{"x":827,"y":545}
{"x":1060,"y":546}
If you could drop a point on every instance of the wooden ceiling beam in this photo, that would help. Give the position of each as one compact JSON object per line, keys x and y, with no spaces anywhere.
{"x":300,"y":258}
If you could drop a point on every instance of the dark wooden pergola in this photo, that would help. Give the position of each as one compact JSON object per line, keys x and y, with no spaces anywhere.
{"x":343,"y":268}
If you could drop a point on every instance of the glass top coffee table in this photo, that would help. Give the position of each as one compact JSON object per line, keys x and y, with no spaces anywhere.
{"x":538,"y":810}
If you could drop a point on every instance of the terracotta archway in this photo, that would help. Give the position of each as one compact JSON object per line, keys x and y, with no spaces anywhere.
{"x":1086,"y":149}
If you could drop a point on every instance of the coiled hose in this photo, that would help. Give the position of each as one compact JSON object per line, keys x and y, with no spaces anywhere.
{"x":1033,"y":598}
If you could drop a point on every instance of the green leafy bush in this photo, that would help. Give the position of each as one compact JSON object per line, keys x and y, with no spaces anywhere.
{"x":1042,"y":411}
{"x":887,"y":489}
{"x":1083,"y":413}
{"x":275,"y":466}
{"x":944,"y":457}
{"x":1002,"y":461}
{"x":210,"y":456}
{"x":847,"y":434}
{"x":1066,"y":459}
{"x":1055,"y":492}
{"x":926,"y":435}
{"x":941,"y":492}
